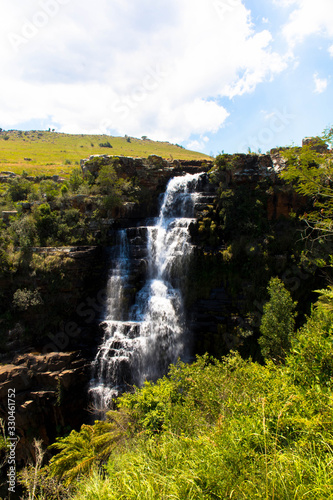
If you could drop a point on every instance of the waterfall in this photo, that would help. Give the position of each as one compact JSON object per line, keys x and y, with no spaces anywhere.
{"x":140,"y":344}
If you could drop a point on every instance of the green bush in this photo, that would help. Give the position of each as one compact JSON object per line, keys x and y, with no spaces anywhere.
{"x":76,"y":179}
{"x":24,"y":231}
{"x":311,"y":358}
{"x":278,"y":322}
{"x":64,"y":189}
{"x":49,"y":189}
{"x":23,"y":299}
{"x":46,"y":222}
{"x":19,"y":189}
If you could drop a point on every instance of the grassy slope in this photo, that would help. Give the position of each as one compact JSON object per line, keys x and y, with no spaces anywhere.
{"x":51,"y":152}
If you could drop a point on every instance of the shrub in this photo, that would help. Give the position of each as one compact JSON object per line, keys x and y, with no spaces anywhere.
{"x":49,"y":189}
{"x":107,"y":180}
{"x":311,"y":359}
{"x":278,"y":322}
{"x":46,"y":222}
{"x":19,"y":189}
{"x":76,"y":179}
{"x":23,"y":299}
{"x":24,"y":231}
{"x":64,"y":189}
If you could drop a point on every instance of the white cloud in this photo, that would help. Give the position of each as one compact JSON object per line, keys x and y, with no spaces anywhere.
{"x":159,"y":69}
{"x":285,"y":3}
{"x":308,"y":19}
{"x":320,"y":84}
{"x":330,"y":50}
{"x":198,"y":144}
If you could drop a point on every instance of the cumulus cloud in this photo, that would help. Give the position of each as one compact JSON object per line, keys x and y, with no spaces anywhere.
{"x":320,"y":84}
{"x":308,"y":18}
{"x":160,"y":69}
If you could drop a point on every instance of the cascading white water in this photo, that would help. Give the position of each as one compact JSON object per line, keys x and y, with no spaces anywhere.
{"x":143,"y":346}
{"x":114,"y":350}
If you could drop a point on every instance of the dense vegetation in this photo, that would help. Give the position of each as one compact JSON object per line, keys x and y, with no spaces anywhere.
{"x":47,"y":213}
{"x":217,"y":428}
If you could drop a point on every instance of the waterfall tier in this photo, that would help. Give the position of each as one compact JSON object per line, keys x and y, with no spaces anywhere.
{"x":141,"y":341}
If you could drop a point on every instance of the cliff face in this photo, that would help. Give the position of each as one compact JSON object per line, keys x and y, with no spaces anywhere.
{"x":150,"y":174}
{"x":153,"y":173}
{"x":50,"y":396}
{"x":251,"y":169}
{"x":64,"y":277}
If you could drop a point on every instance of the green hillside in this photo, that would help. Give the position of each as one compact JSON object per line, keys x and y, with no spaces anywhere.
{"x":42,"y":152}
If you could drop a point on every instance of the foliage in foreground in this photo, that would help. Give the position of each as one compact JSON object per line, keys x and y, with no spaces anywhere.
{"x":278,"y":322}
{"x":216,"y":429}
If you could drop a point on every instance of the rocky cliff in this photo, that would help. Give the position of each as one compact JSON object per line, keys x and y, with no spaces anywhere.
{"x":50,"y":396}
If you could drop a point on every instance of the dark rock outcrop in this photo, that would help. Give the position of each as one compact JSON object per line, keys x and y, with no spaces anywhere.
{"x":152,"y":172}
{"x":50,"y":396}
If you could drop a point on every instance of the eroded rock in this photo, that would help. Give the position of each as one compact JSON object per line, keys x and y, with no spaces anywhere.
{"x":50,"y":395}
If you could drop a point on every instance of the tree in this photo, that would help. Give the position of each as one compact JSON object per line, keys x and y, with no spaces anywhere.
{"x":107,"y":180}
{"x":310,"y":361}
{"x":19,"y":189}
{"x":76,"y":179}
{"x":278,"y":322}
{"x":46,"y":222}
{"x":24,"y":231}
{"x":310,"y":171}
{"x":110,"y":186}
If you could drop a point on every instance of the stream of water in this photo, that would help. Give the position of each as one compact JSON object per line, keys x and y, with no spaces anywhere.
{"x":140,"y":344}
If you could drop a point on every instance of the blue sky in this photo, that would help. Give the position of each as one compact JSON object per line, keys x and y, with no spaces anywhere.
{"x":212,"y":75}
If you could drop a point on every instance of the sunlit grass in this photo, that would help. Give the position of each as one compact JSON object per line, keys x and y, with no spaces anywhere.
{"x":52,"y":153}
